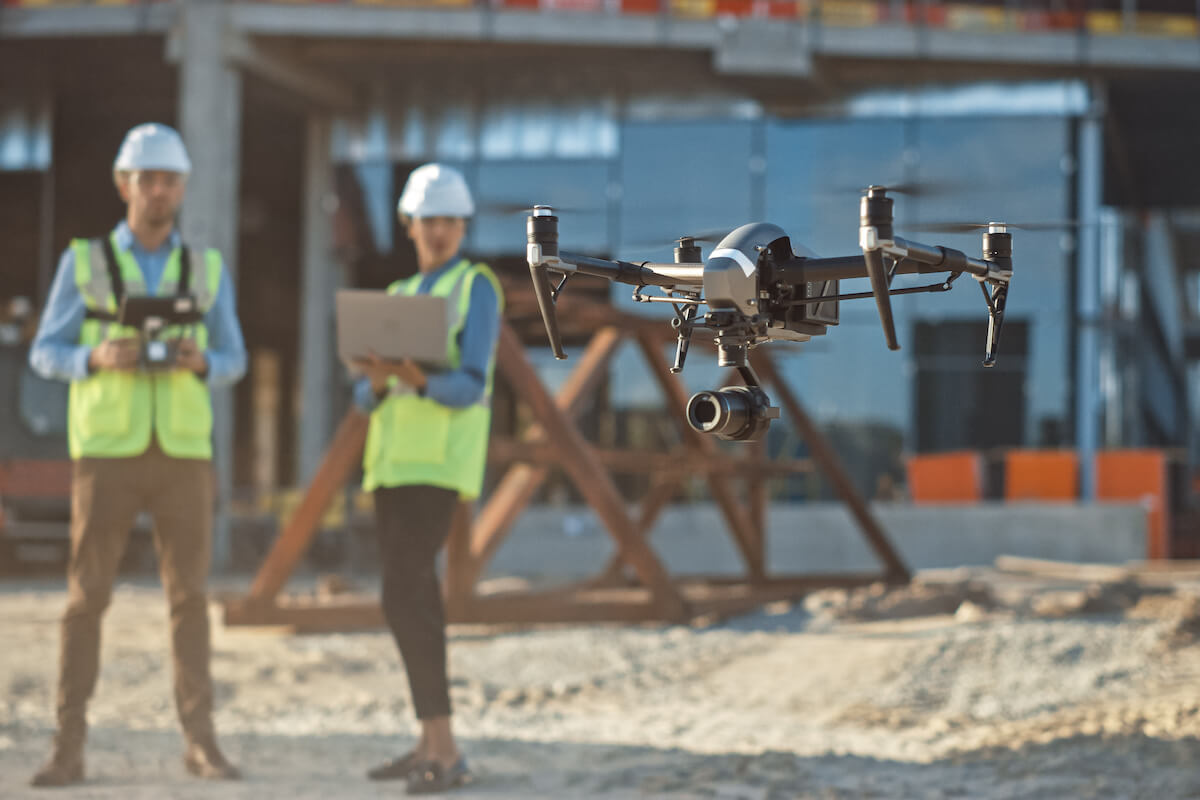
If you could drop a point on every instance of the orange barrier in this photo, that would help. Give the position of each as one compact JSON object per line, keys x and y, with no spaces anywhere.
{"x":1041,"y":475}
{"x":1139,"y":475}
{"x":945,"y":477}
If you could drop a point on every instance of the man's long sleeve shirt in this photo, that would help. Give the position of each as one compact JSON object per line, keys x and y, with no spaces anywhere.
{"x":57,"y":354}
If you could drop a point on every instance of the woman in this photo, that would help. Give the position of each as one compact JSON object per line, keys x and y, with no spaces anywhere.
{"x":426,"y":449}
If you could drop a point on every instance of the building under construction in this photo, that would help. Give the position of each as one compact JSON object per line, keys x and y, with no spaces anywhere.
{"x":645,"y":120}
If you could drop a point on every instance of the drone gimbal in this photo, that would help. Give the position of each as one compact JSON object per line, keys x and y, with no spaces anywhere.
{"x":758,"y":290}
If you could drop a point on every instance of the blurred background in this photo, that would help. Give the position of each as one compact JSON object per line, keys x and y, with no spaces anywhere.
{"x":645,"y":120}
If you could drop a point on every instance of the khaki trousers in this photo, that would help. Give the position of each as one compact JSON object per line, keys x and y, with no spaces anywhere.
{"x":106,"y":496}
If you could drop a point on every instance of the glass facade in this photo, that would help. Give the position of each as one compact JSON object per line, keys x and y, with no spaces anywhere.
{"x":628,"y":182}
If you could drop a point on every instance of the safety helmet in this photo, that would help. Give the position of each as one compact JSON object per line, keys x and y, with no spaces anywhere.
{"x":436,"y":190}
{"x":153,"y":146}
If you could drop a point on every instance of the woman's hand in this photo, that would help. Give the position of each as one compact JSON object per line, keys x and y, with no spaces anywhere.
{"x":378,"y":370}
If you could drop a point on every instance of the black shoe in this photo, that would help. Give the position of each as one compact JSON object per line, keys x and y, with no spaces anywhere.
{"x":398,"y":767}
{"x":205,"y":760}
{"x":59,"y":772}
{"x":432,"y":778}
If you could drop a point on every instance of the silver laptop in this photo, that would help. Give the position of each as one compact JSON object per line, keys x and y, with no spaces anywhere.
{"x":393,"y":326}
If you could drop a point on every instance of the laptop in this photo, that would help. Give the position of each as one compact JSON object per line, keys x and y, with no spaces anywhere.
{"x":394,"y":326}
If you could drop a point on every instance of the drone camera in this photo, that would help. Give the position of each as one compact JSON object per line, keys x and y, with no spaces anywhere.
{"x":735,"y":413}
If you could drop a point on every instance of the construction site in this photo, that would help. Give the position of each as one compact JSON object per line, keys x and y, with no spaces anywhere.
{"x":923,"y":577}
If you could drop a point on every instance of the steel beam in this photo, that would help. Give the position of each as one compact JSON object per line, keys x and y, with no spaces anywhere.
{"x":315,"y":87}
{"x":522,"y":481}
{"x":740,"y":522}
{"x":590,"y":478}
{"x":289,"y":547}
{"x":824,"y":454}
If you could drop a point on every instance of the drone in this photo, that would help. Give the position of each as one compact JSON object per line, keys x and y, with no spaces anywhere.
{"x":757,"y":289}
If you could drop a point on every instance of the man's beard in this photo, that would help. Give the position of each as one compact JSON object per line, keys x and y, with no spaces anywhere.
{"x":159,"y":217}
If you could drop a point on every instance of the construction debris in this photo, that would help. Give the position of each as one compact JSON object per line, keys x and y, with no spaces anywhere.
{"x":1022,"y":587}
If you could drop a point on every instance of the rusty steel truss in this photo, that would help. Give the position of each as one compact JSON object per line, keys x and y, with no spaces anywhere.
{"x":634,"y":586}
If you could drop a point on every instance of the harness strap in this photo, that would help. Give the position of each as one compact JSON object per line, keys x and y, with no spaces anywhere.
{"x":117,"y":280}
{"x":114,"y":271}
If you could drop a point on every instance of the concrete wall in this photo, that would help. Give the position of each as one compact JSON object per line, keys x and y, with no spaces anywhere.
{"x":822,"y":537}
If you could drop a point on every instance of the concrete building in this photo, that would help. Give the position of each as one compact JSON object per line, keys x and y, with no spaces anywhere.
{"x":645,"y":121}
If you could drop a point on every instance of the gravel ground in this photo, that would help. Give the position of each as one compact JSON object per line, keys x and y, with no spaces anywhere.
{"x":785,"y":703}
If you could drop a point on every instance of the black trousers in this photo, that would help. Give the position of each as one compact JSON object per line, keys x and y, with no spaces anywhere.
{"x":412,"y":523}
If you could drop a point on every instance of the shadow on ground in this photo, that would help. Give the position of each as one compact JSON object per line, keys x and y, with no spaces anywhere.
{"x":139,"y":765}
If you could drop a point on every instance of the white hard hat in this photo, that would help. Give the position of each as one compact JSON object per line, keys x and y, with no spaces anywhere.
{"x":436,"y":190}
{"x":153,"y":146}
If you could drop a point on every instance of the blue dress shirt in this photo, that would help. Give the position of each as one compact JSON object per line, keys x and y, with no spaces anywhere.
{"x":56,"y":353}
{"x":462,"y":387}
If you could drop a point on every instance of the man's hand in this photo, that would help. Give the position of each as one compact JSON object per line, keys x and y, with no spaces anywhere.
{"x":189,"y":356}
{"x":115,"y":354}
{"x":378,"y":371}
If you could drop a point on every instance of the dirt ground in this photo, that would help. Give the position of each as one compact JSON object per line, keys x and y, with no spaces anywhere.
{"x":934,"y":692}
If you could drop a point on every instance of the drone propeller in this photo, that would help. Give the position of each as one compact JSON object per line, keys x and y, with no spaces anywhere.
{"x":525,"y":209}
{"x":707,"y":236}
{"x":915,"y":189}
{"x":972,"y":227}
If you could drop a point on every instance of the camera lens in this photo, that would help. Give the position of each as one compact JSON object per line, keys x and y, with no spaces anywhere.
{"x":734,"y":412}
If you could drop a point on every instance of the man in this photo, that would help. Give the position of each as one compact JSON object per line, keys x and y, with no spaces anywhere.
{"x":139,"y":435}
{"x":425,"y":452}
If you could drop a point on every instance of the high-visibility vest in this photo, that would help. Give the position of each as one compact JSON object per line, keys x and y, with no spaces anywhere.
{"x":111,"y":414}
{"x":414,"y":440}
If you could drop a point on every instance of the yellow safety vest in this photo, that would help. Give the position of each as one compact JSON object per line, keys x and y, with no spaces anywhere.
{"x":414,"y":440}
{"x":111,"y":414}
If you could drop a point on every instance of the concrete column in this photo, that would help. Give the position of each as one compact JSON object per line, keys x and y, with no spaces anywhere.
{"x":1090,"y":151}
{"x":210,"y":117}
{"x":320,"y":279}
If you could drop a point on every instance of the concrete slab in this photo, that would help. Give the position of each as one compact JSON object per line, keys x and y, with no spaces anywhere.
{"x":570,"y":542}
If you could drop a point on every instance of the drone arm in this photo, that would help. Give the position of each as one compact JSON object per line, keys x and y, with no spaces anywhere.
{"x":943,"y":259}
{"x":818,"y":270}
{"x":995,"y":271}
{"x":913,"y":259}
{"x":543,"y":255}
{"x":644,"y":274}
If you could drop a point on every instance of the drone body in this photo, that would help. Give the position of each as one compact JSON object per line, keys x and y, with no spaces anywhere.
{"x":757,"y":289}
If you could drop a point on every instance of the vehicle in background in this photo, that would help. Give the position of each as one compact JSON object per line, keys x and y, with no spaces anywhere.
{"x":35,"y":470}
{"x":35,"y":467}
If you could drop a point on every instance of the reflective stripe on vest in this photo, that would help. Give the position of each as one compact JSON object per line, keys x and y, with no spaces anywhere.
{"x":112,"y":414}
{"x":414,"y":440}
